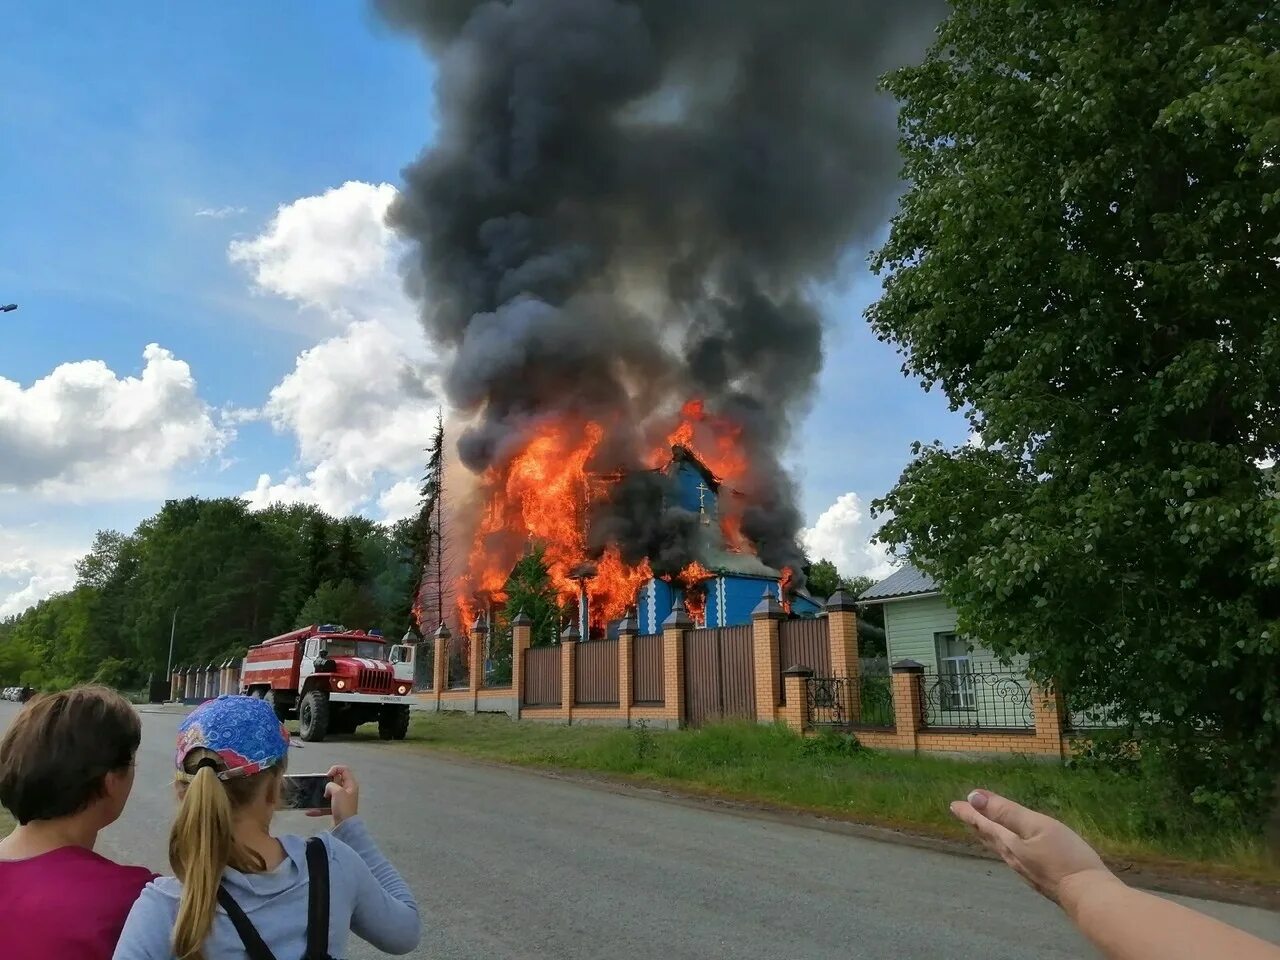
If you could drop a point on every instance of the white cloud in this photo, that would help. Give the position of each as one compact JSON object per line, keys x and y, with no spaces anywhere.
{"x":82,"y":432}
{"x":842,"y":534}
{"x":221,"y":213}
{"x":32,"y":566}
{"x":333,"y":252}
{"x":400,"y":501}
{"x":361,"y":403}
{"x":360,"y":409}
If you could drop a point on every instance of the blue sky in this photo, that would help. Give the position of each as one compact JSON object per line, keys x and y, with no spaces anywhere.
{"x":138,"y":145}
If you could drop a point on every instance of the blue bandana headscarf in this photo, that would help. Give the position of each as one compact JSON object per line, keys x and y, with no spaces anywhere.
{"x":243,"y":731}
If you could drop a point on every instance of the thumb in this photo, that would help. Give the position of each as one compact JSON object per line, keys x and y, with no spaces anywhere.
{"x":1012,"y":816}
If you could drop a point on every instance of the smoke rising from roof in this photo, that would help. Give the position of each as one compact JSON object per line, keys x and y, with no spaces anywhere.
{"x":630,"y":203}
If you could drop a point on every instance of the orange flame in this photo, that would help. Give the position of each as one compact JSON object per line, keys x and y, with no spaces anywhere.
{"x":691,"y":580}
{"x":786,"y":583}
{"x":542,"y":495}
{"x":714,"y":440}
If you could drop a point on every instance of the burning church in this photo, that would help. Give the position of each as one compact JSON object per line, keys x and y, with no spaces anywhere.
{"x":617,"y":240}
{"x":725,"y":580}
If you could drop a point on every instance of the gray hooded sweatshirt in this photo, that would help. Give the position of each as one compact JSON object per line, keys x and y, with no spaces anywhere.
{"x":366,"y":897}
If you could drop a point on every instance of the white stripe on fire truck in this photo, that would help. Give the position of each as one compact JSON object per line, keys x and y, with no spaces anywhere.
{"x":252,"y":665}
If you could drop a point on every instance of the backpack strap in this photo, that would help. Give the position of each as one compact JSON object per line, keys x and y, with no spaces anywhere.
{"x":317,"y":901}
{"x":253,"y":945}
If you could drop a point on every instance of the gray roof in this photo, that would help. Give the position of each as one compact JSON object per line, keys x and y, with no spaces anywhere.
{"x":906,"y":582}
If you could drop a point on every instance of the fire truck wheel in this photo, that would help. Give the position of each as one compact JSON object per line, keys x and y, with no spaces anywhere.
{"x":281,"y":709}
{"x":393,"y":723}
{"x":313,"y":716}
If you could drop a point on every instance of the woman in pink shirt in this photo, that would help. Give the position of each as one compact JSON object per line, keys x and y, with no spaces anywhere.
{"x":66,"y":769}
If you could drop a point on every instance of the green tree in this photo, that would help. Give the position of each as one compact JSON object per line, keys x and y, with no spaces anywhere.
{"x":822,"y":579}
{"x":348,"y":552}
{"x":429,"y":596}
{"x":344,"y":602}
{"x":1086,"y":261}
{"x":529,"y":588}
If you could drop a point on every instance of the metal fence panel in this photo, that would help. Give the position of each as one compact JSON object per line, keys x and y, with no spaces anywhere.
{"x":648,"y":679}
{"x":719,"y":675}
{"x":459,"y":663}
{"x":542,"y":677}
{"x":802,"y":643}
{"x":977,"y":699}
{"x":424,"y":665}
{"x":597,"y":673}
{"x":831,"y":702}
{"x":1080,"y":718}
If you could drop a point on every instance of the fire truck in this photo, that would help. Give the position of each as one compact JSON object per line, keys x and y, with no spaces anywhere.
{"x":332,"y":679}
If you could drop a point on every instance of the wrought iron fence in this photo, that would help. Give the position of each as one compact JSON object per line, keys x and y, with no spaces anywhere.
{"x":459,"y":663}
{"x":1081,"y":717}
{"x":977,"y":699}
{"x":831,"y":702}
{"x":875,"y":695}
{"x":828,"y":700}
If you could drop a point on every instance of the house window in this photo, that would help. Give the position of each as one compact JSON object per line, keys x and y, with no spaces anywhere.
{"x":956,"y":670}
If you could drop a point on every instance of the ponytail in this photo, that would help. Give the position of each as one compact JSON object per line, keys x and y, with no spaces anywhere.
{"x":202,"y":845}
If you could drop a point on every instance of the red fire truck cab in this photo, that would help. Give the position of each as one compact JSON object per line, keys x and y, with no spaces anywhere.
{"x":332,"y":679}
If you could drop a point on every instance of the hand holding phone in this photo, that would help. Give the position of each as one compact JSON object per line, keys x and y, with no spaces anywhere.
{"x":307,"y":791}
{"x":342,"y":794}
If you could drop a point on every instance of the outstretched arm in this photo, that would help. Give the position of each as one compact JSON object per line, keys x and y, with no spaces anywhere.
{"x":1125,"y":924}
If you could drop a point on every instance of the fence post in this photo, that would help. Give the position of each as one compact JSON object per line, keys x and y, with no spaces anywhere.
{"x":175,"y":689}
{"x":475,"y":660}
{"x":908,"y":695}
{"x":440,"y":665}
{"x":569,"y":669}
{"x":1046,"y":709}
{"x":795,"y":713}
{"x":627,"y":631}
{"x":842,"y":634}
{"x":765,"y":618}
{"x":521,"y":640}
{"x":673,"y":629}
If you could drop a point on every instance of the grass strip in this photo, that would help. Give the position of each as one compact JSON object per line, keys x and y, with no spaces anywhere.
{"x":1125,"y":817}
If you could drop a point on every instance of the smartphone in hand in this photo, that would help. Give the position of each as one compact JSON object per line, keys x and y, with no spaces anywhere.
{"x":305,"y":791}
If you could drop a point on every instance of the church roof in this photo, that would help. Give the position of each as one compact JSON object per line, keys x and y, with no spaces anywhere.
{"x":682,"y":454}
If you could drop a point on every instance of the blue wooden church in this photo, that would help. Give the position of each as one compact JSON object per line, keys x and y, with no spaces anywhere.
{"x":740,"y":578}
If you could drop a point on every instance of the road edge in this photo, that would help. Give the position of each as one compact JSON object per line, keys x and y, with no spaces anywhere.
{"x":1237,"y":892}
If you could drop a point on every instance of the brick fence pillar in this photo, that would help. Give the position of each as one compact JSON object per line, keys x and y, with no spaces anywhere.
{"x":475,"y":659}
{"x":764,"y":633}
{"x":673,"y":629}
{"x":521,"y":640}
{"x":440,"y":665}
{"x":842,"y":634}
{"x":568,"y":670}
{"x":908,"y":696}
{"x":1046,"y":709}
{"x":175,"y":685}
{"x":627,"y":631}
{"x":795,"y":713}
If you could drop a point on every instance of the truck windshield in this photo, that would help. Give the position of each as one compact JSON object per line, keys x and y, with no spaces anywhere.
{"x":355,"y":648}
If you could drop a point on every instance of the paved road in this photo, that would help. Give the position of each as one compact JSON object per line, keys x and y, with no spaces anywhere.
{"x":511,"y":865}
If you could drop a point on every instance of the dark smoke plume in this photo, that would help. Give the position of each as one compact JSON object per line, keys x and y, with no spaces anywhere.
{"x":629,"y":204}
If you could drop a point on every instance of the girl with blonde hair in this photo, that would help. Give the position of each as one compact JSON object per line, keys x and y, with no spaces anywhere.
{"x":239,"y":891}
